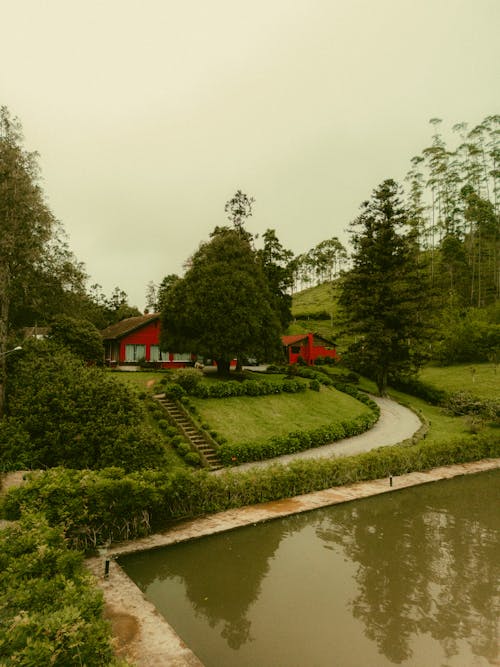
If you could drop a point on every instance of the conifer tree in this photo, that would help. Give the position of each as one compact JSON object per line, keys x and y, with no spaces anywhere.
{"x":385,"y":297}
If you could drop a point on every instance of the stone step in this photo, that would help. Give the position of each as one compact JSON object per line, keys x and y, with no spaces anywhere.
{"x":195,"y":437}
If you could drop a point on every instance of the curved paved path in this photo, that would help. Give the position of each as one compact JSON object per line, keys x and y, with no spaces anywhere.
{"x":396,"y":424}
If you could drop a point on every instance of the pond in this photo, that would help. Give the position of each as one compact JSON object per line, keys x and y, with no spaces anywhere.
{"x":406,"y":578}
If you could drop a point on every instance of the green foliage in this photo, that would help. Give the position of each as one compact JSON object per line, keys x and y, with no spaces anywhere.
{"x":424,"y":390}
{"x":80,"y":337}
{"x":231,"y":388}
{"x":464,"y":403}
{"x":294,"y":441}
{"x":193,"y":459}
{"x":188,"y":379}
{"x":65,"y":413}
{"x":468,"y":336}
{"x":386,"y":295}
{"x":222,"y":308}
{"x":174,"y":390}
{"x":50,"y":613}
{"x":107,"y":505}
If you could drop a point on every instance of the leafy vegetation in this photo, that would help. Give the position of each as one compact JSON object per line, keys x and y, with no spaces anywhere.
{"x":98,"y":506}
{"x":50,"y":611}
{"x":61,"y":412}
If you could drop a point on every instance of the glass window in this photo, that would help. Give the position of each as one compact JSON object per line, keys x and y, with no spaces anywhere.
{"x":182,"y":356}
{"x":135,"y":352}
{"x":155,"y":354}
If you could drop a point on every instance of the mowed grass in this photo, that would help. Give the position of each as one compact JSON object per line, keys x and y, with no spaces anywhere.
{"x":245,"y":418}
{"x":478,"y":379}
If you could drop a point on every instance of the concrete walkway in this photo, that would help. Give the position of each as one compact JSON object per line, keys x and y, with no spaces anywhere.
{"x":396,"y":423}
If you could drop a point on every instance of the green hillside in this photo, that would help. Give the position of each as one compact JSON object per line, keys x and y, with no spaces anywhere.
{"x":314,"y":309}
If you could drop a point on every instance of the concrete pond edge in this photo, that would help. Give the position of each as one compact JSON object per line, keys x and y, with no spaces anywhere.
{"x":143,"y":637}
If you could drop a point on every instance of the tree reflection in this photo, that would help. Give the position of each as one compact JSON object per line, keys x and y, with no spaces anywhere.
{"x":428,"y":563}
{"x":222,"y":573}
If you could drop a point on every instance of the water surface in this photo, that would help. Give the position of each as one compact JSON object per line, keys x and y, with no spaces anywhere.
{"x":407,"y":578}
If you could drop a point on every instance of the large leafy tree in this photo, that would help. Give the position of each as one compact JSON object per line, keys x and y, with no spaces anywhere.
{"x":223,"y":307}
{"x":26,"y":225}
{"x":385,"y":297}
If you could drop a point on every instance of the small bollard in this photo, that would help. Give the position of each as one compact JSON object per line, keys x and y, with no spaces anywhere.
{"x":106,"y":568}
{"x":390,"y":480}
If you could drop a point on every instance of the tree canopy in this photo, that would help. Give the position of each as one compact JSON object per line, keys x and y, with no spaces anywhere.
{"x":386,"y":295}
{"x":222,"y":308}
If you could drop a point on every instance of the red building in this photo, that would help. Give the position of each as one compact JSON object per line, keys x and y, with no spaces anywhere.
{"x":137,"y":339}
{"x":309,"y":347}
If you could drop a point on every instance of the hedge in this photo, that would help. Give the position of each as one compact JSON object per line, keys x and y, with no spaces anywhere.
{"x":247,"y":388}
{"x":99,"y":506}
{"x":295,"y":441}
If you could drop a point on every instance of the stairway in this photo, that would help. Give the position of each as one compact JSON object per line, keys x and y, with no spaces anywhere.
{"x":196,"y":438}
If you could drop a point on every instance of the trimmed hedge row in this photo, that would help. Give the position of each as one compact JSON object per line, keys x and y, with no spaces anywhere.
{"x":97,"y":506}
{"x":295,"y":441}
{"x":247,"y":388}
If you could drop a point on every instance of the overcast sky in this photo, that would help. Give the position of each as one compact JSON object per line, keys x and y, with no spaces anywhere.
{"x":148,"y":115}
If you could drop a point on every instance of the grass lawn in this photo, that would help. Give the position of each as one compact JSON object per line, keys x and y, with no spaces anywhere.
{"x":478,"y":379}
{"x":143,"y":380}
{"x":244,"y":418}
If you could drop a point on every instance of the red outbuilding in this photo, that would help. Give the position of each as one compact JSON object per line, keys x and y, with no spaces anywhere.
{"x":308,"y":347}
{"x":136,"y":340}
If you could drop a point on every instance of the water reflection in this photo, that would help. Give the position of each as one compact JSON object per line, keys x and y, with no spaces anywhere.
{"x":428,"y":562}
{"x":393,"y":578}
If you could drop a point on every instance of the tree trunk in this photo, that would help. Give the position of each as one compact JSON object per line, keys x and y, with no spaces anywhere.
{"x":4,"y":331}
{"x":223,"y":366}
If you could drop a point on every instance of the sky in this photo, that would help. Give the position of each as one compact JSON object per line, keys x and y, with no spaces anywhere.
{"x":149,"y":115}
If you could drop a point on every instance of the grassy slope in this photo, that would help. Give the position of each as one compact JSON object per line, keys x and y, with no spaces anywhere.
{"x":484,"y":382}
{"x":442,"y":426}
{"x":243,"y":419}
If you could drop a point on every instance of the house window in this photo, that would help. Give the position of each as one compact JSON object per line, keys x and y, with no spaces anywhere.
{"x":295,"y":349}
{"x":182,"y":356}
{"x":135,"y":352}
{"x":155,"y":354}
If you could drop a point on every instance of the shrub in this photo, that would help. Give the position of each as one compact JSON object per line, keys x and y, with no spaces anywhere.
{"x":188,"y":378}
{"x":193,"y":459}
{"x":314,"y":385}
{"x":107,"y":505}
{"x":174,"y":390}
{"x":70,"y":414}
{"x":183,"y":448}
{"x":51,"y":612}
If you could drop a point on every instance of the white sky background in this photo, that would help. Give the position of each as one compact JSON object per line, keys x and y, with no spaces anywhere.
{"x":148,"y":115}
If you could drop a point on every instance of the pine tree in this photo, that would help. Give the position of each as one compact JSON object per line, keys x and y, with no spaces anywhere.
{"x":385,"y":297}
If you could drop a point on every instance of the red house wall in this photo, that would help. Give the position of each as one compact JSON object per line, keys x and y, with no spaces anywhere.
{"x":309,"y":352}
{"x":148,"y":335}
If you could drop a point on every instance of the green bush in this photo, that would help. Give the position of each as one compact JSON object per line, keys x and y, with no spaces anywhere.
{"x":174,"y":391}
{"x":66,"y":413}
{"x":188,"y":378}
{"x":295,"y":441}
{"x":95,"y":507}
{"x":314,"y":385}
{"x":50,"y":614}
{"x":183,"y":448}
{"x":193,"y":459}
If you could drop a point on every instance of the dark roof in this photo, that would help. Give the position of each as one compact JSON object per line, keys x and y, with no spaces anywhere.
{"x":120,"y":329}
{"x":297,"y":338}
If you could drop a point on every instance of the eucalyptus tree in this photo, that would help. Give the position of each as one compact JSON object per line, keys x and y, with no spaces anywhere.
{"x":277,"y":266}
